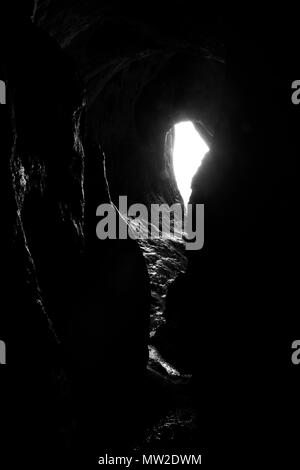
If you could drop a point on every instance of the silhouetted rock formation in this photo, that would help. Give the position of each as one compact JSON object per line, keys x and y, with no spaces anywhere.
{"x":92,"y":79}
{"x":56,"y":272}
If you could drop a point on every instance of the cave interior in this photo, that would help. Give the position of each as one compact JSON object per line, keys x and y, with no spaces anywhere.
{"x":133,"y":345}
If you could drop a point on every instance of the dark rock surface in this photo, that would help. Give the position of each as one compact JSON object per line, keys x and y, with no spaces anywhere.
{"x":92,"y":79}
{"x":75,"y":307}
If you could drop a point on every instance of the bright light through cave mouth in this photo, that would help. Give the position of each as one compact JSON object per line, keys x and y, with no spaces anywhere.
{"x":188,"y":152}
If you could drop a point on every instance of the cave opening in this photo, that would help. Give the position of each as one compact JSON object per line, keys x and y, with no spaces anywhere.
{"x":189,"y":148}
{"x":184,"y":149}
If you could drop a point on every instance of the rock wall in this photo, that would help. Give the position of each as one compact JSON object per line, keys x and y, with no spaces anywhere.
{"x":79,"y":308}
{"x":74,"y":306}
